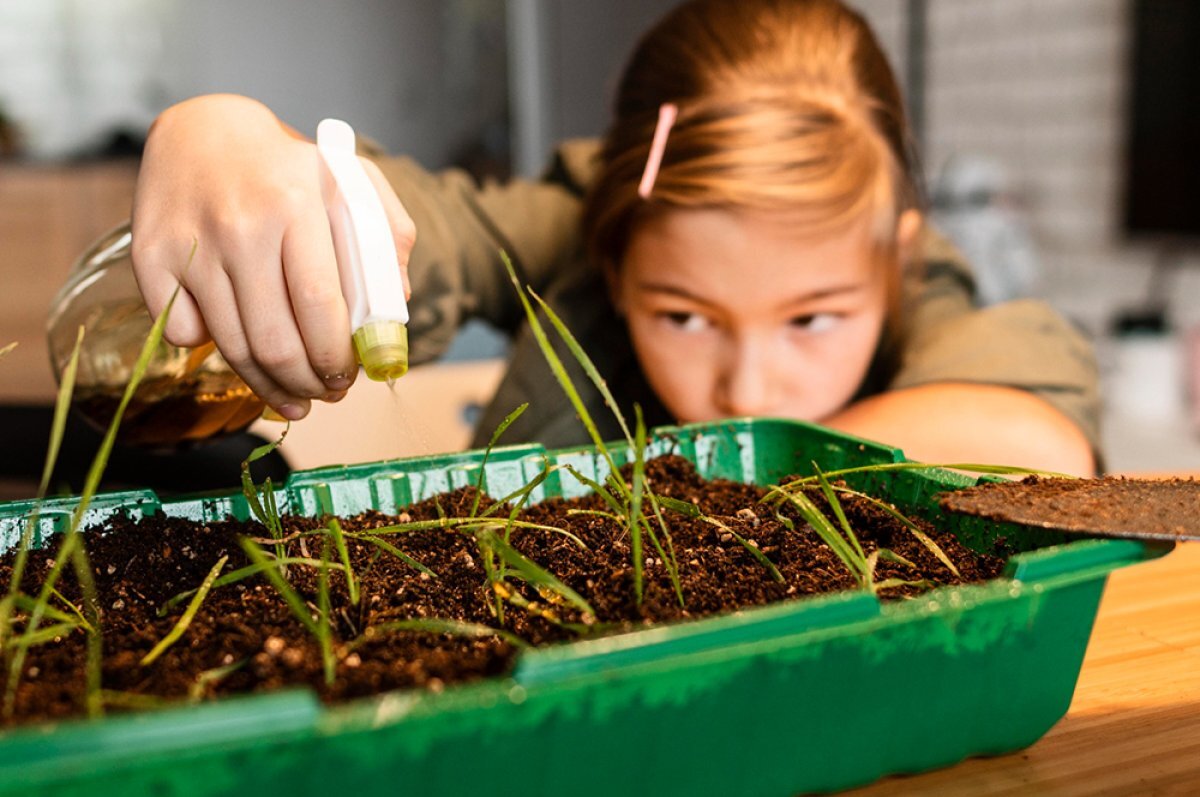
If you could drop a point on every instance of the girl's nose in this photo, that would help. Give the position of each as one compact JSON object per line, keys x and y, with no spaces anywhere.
{"x":746,"y":385}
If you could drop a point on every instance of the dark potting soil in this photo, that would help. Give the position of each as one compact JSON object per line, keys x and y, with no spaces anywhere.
{"x":1164,"y":509}
{"x":249,"y":630}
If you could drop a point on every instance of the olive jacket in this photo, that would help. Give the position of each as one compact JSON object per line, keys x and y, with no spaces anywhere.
{"x":456,"y":274}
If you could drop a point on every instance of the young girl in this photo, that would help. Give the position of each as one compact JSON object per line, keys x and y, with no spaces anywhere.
{"x":766,"y":258}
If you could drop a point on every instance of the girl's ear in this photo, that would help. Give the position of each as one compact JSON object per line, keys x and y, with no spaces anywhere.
{"x":908,"y":234}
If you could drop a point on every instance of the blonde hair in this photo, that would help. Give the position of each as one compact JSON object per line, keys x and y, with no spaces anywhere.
{"x":783,"y":105}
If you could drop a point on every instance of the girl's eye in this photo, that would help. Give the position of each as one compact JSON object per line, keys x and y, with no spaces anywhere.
{"x":687,"y":322}
{"x":815,"y":322}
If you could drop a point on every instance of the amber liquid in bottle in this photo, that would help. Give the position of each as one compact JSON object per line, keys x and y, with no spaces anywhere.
{"x":166,"y":411}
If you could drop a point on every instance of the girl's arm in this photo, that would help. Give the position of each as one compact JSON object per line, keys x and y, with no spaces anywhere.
{"x":960,"y":422}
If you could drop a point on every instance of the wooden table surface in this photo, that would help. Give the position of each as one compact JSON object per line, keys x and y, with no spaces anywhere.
{"x":1134,"y":724}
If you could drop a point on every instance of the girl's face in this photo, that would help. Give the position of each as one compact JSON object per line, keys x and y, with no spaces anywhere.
{"x":741,"y":313}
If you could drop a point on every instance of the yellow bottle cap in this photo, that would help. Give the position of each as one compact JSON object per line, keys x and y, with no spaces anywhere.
{"x":382,"y":348}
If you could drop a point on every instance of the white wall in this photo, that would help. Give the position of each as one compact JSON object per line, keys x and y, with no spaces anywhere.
{"x":417,"y":75}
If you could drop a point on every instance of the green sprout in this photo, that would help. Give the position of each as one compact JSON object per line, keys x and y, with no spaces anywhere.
{"x":626,"y":500}
{"x":72,"y":549}
{"x":186,"y":618}
{"x":262,"y":502}
{"x":841,"y":538}
{"x":432,"y":625}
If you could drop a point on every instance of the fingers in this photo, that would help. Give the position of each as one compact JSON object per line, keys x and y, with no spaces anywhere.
{"x":404,"y":231}
{"x":314,"y":288}
{"x":275,"y":345}
{"x":216,"y":295}
{"x":157,"y":268}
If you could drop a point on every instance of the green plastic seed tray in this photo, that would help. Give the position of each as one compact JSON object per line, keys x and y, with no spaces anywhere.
{"x":813,"y":695}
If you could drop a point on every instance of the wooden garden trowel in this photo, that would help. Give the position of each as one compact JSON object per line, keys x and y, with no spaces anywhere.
{"x":1137,"y":509}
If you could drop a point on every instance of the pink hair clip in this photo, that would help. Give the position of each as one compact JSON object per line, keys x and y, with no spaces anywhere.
{"x":666,"y":118}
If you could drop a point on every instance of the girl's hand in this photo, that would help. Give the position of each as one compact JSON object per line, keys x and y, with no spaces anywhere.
{"x":222,"y":171}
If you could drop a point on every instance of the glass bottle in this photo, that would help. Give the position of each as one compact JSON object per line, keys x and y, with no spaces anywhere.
{"x":186,"y":394}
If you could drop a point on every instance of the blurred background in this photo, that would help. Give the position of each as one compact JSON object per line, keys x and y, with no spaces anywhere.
{"x":1059,"y":139}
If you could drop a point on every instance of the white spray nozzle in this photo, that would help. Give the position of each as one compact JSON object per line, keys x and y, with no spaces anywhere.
{"x":366,"y":255}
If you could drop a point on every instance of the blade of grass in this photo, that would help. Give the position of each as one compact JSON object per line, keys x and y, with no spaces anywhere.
{"x":838,"y":512}
{"x":434,"y":625}
{"x":634,"y":517}
{"x":504,"y":424}
{"x":585,"y":362}
{"x":213,"y":676}
{"x":465,"y":523}
{"x":689,"y":509}
{"x":609,"y":516}
{"x":339,"y":541}
{"x":26,"y":603}
{"x":383,"y":545}
{"x":46,"y":634}
{"x":264,"y":508}
{"x":67,"y":548}
{"x":829,"y":535}
{"x":62,"y":406}
{"x":240,"y":574}
{"x":91,"y":610}
{"x":605,"y":494}
{"x":521,"y":494}
{"x":186,"y":618}
{"x":534,"y":573}
{"x":884,"y":467}
{"x":888,"y":555}
{"x":324,"y":631}
{"x":293,"y":600}
{"x":912,"y":527}
{"x":670,"y":561}
{"x":892,"y":583}
{"x":558,"y":369}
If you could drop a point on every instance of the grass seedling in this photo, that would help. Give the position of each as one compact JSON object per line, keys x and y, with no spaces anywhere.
{"x":186,"y":618}
{"x":262,"y":565}
{"x":792,"y":492}
{"x":543,"y":581}
{"x":507,"y":422}
{"x":270,"y":568}
{"x":619,"y":495}
{"x":318,"y":627}
{"x":339,"y":541}
{"x":324,"y":626}
{"x":62,"y":406}
{"x":387,"y":547}
{"x":72,"y":548}
{"x":842,"y":541}
{"x":208,"y":678}
{"x":262,"y":502}
{"x":432,"y":625}
{"x":690,"y":510}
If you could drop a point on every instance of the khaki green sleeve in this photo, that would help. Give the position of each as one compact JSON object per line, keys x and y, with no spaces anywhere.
{"x":1023,"y":344}
{"x":455,"y":270}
